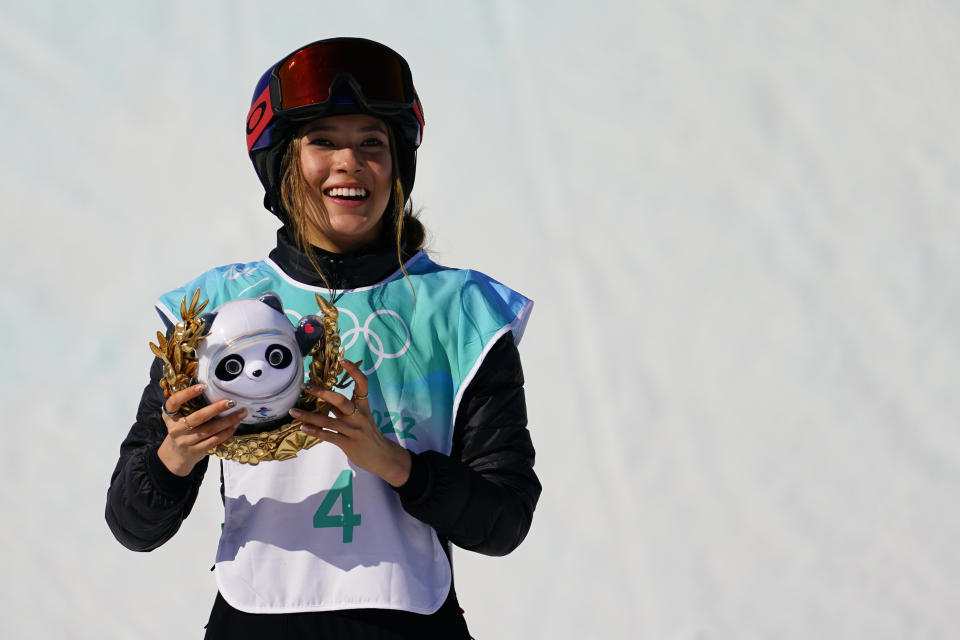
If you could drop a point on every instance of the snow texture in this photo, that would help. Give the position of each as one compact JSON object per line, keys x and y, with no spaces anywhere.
{"x":739,"y":222}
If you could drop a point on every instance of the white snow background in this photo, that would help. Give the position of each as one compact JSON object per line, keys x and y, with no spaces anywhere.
{"x":739,"y":222}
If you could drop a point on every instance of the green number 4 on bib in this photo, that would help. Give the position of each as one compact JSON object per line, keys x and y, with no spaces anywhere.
{"x":342,"y":488}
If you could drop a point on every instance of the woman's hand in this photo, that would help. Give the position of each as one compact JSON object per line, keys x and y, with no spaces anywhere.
{"x":354,"y":431}
{"x":190,"y":438}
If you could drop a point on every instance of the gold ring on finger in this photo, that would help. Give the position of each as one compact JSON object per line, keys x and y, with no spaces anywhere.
{"x":357,"y":396}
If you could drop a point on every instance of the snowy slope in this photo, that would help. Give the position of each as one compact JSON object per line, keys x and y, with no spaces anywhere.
{"x":739,"y":222}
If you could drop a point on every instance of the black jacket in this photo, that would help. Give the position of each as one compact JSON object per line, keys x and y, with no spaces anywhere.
{"x":481,"y":497}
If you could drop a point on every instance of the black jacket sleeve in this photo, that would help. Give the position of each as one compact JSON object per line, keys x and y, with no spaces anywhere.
{"x":482,"y":496}
{"x":146,"y":503}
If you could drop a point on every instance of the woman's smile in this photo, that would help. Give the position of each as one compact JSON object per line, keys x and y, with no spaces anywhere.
{"x":347,"y":194}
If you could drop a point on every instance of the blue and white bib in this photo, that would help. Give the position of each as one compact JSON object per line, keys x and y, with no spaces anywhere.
{"x":316,"y":533}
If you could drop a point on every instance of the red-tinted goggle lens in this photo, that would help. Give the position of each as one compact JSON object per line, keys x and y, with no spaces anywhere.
{"x":306,"y":76}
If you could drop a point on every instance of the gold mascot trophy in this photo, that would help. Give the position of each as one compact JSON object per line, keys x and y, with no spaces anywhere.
{"x":317,"y":338}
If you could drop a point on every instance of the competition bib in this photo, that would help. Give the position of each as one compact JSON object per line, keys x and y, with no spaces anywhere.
{"x":317,"y":533}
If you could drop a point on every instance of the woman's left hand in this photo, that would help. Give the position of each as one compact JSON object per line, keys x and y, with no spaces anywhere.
{"x":354,"y":431}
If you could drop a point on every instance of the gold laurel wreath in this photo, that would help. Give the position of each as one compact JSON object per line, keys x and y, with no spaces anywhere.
{"x":179,"y":356}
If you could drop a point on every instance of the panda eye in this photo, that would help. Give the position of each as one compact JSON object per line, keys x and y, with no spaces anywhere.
{"x":229,"y":368}
{"x":278,"y":356}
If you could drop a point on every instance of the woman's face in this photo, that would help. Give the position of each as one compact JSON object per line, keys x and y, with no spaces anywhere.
{"x":348,"y":169}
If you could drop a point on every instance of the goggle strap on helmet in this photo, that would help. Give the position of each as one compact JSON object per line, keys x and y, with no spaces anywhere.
{"x":260,"y":115}
{"x":418,"y":114}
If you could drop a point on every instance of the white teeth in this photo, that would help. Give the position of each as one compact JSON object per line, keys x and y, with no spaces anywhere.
{"x":347,"y":192}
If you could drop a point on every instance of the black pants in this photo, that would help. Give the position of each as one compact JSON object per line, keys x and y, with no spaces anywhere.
{"x":356,"y":624}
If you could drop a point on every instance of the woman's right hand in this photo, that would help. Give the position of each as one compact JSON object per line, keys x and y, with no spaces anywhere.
{"x":189,"y":438}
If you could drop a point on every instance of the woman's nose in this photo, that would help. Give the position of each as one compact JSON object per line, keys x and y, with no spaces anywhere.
{"x":345,"y":159}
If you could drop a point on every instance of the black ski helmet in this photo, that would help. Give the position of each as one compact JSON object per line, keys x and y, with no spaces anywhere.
{"x":332,"y":77}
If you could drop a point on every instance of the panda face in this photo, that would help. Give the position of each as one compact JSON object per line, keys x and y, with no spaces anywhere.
{"x":253,"y":356}
{"x":256,"y":366}
{"x":229,"y":368}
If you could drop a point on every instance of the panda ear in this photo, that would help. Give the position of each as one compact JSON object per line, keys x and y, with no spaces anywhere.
{"x":309,"y":333}
{"x":272,"y":300}
{"x":207,"y":320}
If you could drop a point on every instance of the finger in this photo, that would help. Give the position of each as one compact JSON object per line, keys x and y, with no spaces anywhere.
{"x":210,"y":412}
{"x":338,"y":402}
{"x":220,"y":428}
{"x":217,"y":438}
{"x":324,"y":436}
{"x":312,"y":418}
{"x":317,"y":421}
{"x":360,"y":383}
{"x":200,"y":417}
{"x":178,"y":399}
{"x":190,"y":429}
{"x":211,"y":427}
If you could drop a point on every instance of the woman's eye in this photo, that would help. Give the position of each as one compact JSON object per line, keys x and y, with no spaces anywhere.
{"x":321,"y":142}
{"x":373,"y":142}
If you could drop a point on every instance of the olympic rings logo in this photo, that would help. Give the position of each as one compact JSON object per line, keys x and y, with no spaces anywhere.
{"x":374,"y":342}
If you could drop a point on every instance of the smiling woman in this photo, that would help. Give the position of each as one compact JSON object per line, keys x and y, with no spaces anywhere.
{"x":345,"y":170}
{"x":351,"y":536}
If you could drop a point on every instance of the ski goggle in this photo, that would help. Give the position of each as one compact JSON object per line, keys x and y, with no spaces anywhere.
{"x":308,"y":78}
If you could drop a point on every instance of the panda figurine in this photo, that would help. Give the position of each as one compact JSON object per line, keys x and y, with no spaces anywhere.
{"x":252,"y":354}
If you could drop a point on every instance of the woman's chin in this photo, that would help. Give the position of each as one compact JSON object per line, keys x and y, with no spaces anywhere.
{"x":344,"y":238}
